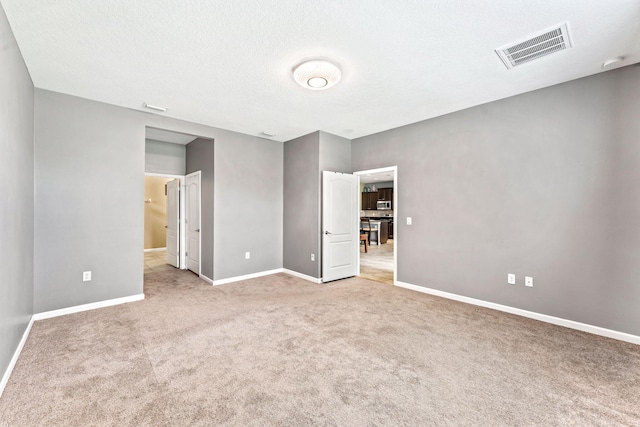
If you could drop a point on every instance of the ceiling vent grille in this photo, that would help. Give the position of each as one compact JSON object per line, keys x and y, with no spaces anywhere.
{"x":541,"y":44}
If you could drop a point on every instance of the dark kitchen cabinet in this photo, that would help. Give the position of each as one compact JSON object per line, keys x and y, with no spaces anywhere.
{"x":370,"y":200}
{"x":390,"y":227}
{"x":386,"y":194}
{"x":384,"y":232}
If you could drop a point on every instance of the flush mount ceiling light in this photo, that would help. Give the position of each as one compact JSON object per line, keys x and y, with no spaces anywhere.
{"x":317,"y":74}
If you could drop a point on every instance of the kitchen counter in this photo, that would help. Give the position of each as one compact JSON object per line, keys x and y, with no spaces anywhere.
{"x":382,"y":235}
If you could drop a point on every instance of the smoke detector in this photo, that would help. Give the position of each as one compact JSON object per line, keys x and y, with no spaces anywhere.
{"x":536,"y":46}
{"x":317,"y":74}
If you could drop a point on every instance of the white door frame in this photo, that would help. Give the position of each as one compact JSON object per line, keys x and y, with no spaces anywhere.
{"x":183,"y":242}
{"x":396,"y":217}
{"x":199,"y":175}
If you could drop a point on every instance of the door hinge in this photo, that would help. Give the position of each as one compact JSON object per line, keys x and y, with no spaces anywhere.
{"x":186,"y":254}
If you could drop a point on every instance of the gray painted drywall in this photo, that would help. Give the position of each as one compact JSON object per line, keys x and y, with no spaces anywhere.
{"x":16,"y":188}
{"x":304,"y":160}
{"x":302,"y":204}
{"x":200,"y":158}
{"x":248,"y":205}
{"x":384,"y":184}
{"x":545,"y":184}
{"x":90,"y":162}
{"x":335,"y":156}
{"x":335,"y":153}
{"x":164,"y":157}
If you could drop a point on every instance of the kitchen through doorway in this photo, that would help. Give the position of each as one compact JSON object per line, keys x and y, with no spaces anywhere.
{"x":378,"y":209}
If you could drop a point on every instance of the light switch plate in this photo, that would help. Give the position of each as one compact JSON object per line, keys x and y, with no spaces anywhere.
{"x":511,"y":279}
{"x":528,"y":281}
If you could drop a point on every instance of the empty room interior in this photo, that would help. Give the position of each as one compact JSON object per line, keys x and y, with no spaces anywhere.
{"x":320,"y":213}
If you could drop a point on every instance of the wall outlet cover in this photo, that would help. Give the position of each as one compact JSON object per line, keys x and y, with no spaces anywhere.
{"x":511,"y":279}
{"x":409,"y":220}
{"x":86,"y":276}
{"x":247,"y":255}
{"x":313,"y":257}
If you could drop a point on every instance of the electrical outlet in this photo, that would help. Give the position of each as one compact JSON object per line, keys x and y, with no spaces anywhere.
{"x":409,"y":221}
{"x":313,"y":257}
{"x":528,"y":281}
{"x":247,"y":255}
{"x":86,"y":276}
{"x":511,"y":279}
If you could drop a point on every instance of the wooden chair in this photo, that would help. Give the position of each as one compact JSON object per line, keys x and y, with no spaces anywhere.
{"x":365,"y":238}
{"x":365,"y":230}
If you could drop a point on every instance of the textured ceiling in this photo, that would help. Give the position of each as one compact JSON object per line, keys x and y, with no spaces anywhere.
{"x":228,"y":63}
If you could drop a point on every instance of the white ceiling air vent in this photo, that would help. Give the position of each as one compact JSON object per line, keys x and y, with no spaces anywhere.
{"x":543,"y":43}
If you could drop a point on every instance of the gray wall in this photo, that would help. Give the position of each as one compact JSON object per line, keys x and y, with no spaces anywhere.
{"x":164,"y":157}
{"x":16,"y":188}
{"x":200,"y":158}
{"x":248,"y":205}
{"x":90,"y":161}
{"x":335,"y":156}
{"x":302,"y":204}
{"x":545,"y":184}
{"x":335,"y":153}
{"x":304,"y":160}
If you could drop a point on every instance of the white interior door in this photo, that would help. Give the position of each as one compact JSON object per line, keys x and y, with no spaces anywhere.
{"x":193,"y":222}
{"x":173,"y":223}
{"x":340,"y":228}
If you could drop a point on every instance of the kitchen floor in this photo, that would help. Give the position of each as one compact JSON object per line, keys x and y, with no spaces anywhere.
{"x":377,"y":265}
{"x":156,"y":261}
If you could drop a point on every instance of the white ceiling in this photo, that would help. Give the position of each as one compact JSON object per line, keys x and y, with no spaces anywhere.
{"x":228,"y":63}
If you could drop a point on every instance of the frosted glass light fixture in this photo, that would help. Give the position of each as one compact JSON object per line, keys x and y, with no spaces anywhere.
{"x":317,"y":74}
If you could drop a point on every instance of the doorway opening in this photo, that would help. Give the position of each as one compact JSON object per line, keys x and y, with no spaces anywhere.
{"x":172,"y":203}
{"x":377,"y":255}
{"x":162,"y":208}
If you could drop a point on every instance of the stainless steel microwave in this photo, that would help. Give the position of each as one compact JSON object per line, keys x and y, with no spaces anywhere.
{"x":383,"y":204}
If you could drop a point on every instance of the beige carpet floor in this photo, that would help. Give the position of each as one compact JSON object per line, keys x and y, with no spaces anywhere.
{"x":281,"y":351}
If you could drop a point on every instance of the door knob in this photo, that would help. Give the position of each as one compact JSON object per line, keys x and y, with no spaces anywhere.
{"x":197,"y":231}
{"x":327,"y":232}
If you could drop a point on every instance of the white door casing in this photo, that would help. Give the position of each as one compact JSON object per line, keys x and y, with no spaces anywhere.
{"x":193,"y":222}
{"x":173,"y":223}
{"x":340,"y":225}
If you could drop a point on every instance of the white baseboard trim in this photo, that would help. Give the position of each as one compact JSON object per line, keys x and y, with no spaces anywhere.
{"x":16,"y":355}
{"x":206,"y":279}
{"x":155,"y":249}
{"x":245,"y":277}
{"x":302,"y":276}
{"x":86,"y":307}
{"x":597,"y":330}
